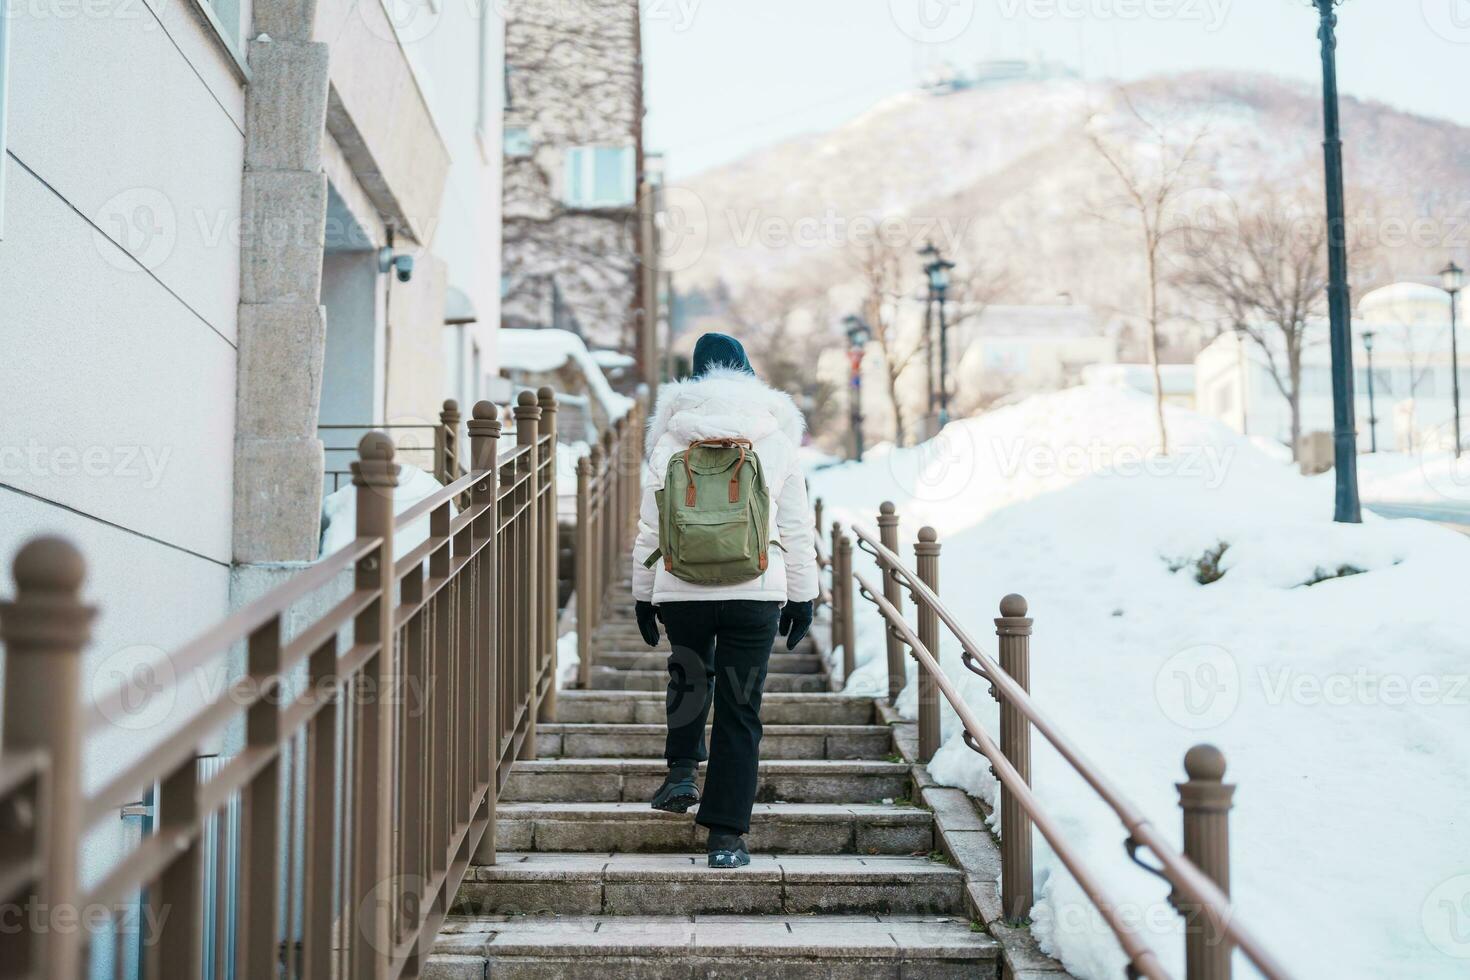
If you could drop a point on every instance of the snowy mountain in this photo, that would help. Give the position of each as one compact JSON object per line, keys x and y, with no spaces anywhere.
{"x":1006,"y":178}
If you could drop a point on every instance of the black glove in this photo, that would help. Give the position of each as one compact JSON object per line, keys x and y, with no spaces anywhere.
{"x":647,"y":614}
{"x":796,"y":619}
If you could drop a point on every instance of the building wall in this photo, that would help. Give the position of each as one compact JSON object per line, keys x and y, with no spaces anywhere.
{"x":574,"y":80}
{"x":459,"y":58}
{"x":119,"y":284}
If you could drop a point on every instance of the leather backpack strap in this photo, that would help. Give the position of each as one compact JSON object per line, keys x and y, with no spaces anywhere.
{"x":735,"y":478}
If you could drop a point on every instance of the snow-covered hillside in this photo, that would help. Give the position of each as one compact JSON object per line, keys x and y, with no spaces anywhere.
{"x":1341,"y":706}
{"x":1006,"y":175}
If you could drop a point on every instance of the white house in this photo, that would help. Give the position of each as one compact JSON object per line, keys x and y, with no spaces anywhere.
{"x":1409,"y":324}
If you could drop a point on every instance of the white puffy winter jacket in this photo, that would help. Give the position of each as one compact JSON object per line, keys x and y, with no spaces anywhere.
{"x":731,"y":404}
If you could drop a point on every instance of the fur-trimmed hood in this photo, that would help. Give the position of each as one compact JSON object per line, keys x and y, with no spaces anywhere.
{"x":724,"y":404}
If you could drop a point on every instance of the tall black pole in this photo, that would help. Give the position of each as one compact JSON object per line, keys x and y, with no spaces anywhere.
{"x":1372,"y":403}
{"x":1339,"y":303}
{"x":1455,"y":365}
{"x":943,"y":365}
{"x":856,"y":392}
{"x":929,"y":351}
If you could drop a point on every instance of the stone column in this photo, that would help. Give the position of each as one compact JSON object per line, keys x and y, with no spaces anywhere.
{"x":278,"y":457}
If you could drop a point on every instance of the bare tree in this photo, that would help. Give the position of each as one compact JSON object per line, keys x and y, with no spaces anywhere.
{"x":881,"y":267}
{"x":1154,"y":167}
{"x":1263,"y":263}
{"x":763,"y":321}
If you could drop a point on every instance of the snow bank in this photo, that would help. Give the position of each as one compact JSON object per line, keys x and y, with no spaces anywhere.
{"x":339,"y":512}
{"x":1431,"y":477}
{"x":1341,"y":706}
{"x":539,"y":351}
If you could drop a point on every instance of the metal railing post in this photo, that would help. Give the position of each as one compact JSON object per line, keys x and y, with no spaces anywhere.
{"x":1016,"y":886}
{"x":1205,"y":800}
{"x":528,"y":417}
{"x":597,"y":534}
{"x":546,"y":400}
{"x":446,"y":444}
{"x":893,"y":592}
{"x":375,"y":476}
{"x":838,"y":640}
{"x":926,"y":553}
{"x":849,"y":634}
{"x":612,"y":532}
{"x":44,"y":629}
{"x":817,"y":507}
{"x":484,"y":430}
{"x":582,"y":572}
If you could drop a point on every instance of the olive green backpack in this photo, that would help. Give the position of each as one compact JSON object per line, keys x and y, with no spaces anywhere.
{"x":713,"y":514}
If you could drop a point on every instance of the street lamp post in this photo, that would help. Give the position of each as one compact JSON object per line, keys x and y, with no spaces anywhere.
{"x":858,"y":335}
{"x":1453,"y":279}
{"x":1339,"y":304}
{"x":937,"y":269}
{"x":929,"y":253}
{"x":1372,"y":404}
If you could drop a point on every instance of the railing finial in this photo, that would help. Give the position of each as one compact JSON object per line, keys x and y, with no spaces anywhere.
{"x":1013,"y":606}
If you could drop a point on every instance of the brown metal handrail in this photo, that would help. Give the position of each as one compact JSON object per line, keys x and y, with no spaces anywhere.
{"x":396,"y":798}
{"x":1196,"y":894}
{"x":608,"y":497}
{"x":446,"y":449}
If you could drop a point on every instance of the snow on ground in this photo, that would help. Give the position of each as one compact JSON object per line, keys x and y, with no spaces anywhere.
{"x":339,"y":512}
{"x":1431,"y":477}
{"x":1342,"y":707}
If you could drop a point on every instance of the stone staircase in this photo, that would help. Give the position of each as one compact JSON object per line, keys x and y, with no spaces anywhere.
{"x":847,"y":878}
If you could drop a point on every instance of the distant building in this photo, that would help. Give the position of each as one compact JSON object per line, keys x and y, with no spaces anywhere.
{"x":574,"y":169}
{"x":1410,"y":324}
{"x":1027,"y":349}
{"x":946,"y":79}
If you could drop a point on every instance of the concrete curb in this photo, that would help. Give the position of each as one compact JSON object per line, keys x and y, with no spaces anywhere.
{"x":960,"y":829}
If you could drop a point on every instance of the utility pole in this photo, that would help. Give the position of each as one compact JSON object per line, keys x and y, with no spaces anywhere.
{"x":1339,"y":302}
{"x":1372,"y":402}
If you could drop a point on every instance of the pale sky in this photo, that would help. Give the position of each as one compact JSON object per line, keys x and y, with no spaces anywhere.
{"x":728,"y":76}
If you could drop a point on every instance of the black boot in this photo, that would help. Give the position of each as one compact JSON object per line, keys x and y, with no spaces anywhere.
{"x":680,"y":790}
{"x":727,"y":850}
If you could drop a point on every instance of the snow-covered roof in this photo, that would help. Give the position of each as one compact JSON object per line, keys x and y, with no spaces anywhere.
{"x":613,"y":359}
{"x":1407,"y":303}
{"x":539,"y":351}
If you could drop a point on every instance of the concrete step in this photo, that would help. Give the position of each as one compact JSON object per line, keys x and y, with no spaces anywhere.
{"x":776,"y":708}
{"x":636,"y":780}
{"x":712,"y":947}
{"x":779,"y":741}
{"x":649,"y":659}
{"x":776,"y":828}
{"x":653,"y":884}
{"x":609,"y":679}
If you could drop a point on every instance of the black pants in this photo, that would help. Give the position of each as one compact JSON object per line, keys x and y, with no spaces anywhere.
{"x":721,"y":650}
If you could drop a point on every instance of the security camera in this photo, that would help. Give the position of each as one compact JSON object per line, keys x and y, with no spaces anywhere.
{"x":404,"y":265}
{"x":400,"y":263}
